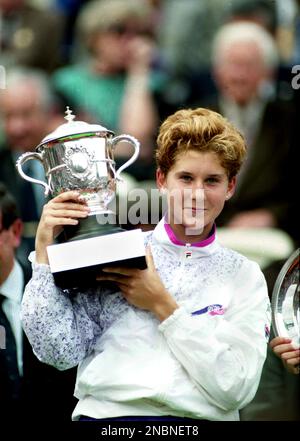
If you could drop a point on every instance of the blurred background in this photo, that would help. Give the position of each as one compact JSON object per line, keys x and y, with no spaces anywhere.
{"x":127,"y":65}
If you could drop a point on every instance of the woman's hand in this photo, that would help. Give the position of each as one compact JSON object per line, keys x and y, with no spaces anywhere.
{"x":140,"y":53}
{"x":290,"y":356}
{"x":64,"y":209}
{"x":143,"y":288}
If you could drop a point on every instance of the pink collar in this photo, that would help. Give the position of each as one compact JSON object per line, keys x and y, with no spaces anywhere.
{"x":203,"y":243}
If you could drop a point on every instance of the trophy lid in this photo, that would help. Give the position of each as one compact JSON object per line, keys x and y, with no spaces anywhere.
{"x":73,"y":129}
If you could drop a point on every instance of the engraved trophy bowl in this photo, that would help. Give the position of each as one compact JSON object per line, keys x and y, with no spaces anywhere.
{"x":285,"y":300}
{"x":80,"y":156}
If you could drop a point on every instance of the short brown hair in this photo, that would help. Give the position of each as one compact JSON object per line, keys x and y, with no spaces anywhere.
{"x":202,"y":130}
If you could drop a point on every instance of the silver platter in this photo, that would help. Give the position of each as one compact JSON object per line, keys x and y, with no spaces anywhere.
{"x":285,"y":300}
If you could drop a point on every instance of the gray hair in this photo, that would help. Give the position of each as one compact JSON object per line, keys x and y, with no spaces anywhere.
{"x":38,"y":79}
{"x":244,"y":31}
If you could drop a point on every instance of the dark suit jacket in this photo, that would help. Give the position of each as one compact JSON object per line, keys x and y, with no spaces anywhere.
{"x":23,"y":193}
{"x":268,"y":181}
{"x":45,"y":392}
{"x":15,"y":183}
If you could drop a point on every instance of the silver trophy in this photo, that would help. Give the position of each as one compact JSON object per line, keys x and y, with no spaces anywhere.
{"x":80,"y":156}
{"x":285,"y":300}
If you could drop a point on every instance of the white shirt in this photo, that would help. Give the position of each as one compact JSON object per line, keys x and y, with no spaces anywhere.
{"x":12,"y":289}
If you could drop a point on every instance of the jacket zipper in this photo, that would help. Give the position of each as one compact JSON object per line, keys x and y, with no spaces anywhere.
{"x":186,"y":254}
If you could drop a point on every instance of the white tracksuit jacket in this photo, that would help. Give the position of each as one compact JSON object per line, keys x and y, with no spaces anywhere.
{"x":204,"y":361}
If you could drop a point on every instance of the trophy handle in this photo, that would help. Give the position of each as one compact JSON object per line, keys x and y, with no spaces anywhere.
{"x":26,"y":157}
{"x":131,"y":140}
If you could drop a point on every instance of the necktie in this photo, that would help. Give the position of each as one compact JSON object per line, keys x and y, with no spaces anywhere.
{"x":9,"y":373}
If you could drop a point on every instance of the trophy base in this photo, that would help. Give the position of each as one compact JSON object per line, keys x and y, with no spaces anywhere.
{"x":92,"y":226}
{"x":83,"y":278}
{"x":76,"y":264}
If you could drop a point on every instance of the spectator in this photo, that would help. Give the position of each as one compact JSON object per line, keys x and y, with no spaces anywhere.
{"x":114,"y":84}
{"x":244,"y":63}
{"x":27,"y":112}
{"x":29,"y":389}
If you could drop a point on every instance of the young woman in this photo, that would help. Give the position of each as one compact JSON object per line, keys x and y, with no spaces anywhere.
{"x":184,"y":338}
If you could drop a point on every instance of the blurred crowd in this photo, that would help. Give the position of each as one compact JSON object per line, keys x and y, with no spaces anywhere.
{"x":128,"y":64}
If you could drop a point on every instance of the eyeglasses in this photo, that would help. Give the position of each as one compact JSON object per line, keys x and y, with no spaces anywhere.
{"x":123,"y":29}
